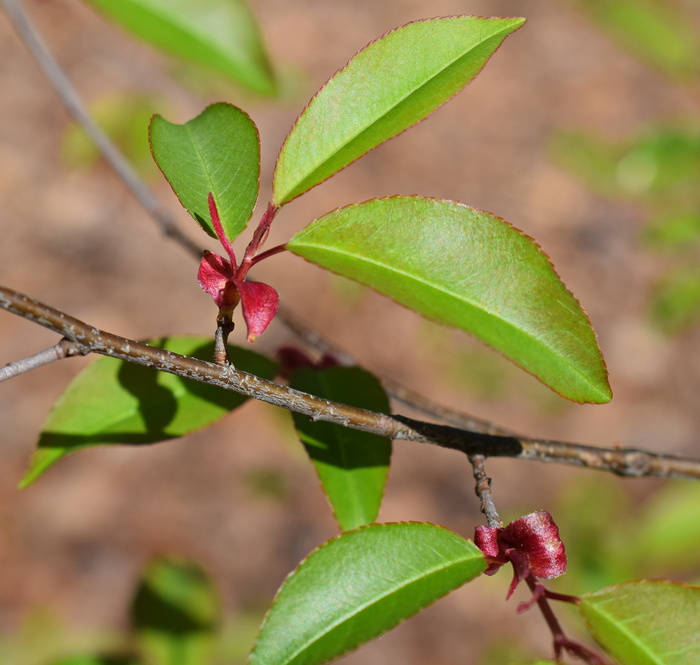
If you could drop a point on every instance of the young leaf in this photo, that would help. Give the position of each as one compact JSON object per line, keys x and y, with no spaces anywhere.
{"x":390,"y":85}
{"x":647,"y":622}
{"x":470,"y":270}
{"x":175,"y":614}
{"x":115,"y":402}
{"x":359,"y":585}
{"x":220,"y":34}
{"x":352,"y":465}
{"x":217,"y":152}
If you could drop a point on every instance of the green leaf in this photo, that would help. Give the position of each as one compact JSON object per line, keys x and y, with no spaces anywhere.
{"x":393,"y":83}
{"x":647,"y":622}
{"x":352,"y":465}
{"x":470,"y":270}
{"x":220,"y":34}
{"x":115,"y":402}
{"x":175,"y":614}
{"x":359,"y":585}
{"x":217,"y":152}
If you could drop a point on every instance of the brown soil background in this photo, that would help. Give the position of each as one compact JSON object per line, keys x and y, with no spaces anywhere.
{"x":239,"y":497}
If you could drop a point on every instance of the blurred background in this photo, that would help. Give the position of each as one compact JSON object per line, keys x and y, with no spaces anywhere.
{"x":583,"y":131}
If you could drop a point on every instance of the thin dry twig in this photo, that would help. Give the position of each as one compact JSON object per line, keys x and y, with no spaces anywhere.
{"x":64,"y":349}
{"x":88,"y":339}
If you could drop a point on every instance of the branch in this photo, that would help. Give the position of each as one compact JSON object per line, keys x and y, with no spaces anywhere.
{"x":88,"y":339}
{"x":162,"y":217}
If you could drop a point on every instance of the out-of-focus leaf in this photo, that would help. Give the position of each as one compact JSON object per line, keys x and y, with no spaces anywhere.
{"x":359,"y":585}
{"x":470,"y":270}
{"x":647,"y":622}
{"x":175,"y":614}
{"x":115,"y":402}
{"x":661,"y":160}
{"x":94,"y":659}
{"x":351,"y":465}
{"x":668,"y":530}
{"x":676,"y":300}
{"x":220,"y":34}
{"x":217,"y":152}
{"x":675,"y":232}
{"x":388,"y":86}
{"x":655,"y":31}
{"x":124,"y":118}
{"x":587,"y":157}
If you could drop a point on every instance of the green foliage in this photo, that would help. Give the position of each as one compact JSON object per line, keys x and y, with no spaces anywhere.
{"x":220,"y":34}
{"x":175,"y":614}
{"x":89,"y":659}
{"x":506,"y":293}
{"x":656,"y":31}
{"x":646,"y":623}
{"x":352,"y":465}
{"x":116,"y":402}
{"x":217,"y":152}
{"x":359,"y":585}
{"x":383,"y":90}
{"x":124,"y":118}
{"x":676,"y":300}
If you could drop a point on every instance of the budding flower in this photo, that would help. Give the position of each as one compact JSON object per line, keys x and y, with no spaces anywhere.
{"x":531,"y":543}
{"x":225,"y":282}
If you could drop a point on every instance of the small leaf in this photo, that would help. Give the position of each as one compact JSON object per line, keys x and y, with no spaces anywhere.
{"x":115,"y":402}
{"x":647,"y":622}
{"x":175,"y":614}
{"x":352,"y":465}
{"x":259,"y":303}
{"x":393,"y":83}
{"x":359,"y":585}
{"x":220,"y":34}
{"x":470,"y":270}
{"x":217,"y":152}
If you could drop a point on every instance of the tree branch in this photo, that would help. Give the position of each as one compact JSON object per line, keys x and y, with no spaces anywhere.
{"x":88,"y":339}
{"x":168,"y":226}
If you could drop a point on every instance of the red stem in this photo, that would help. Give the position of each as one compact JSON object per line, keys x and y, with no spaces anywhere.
{"x":257,"y":241}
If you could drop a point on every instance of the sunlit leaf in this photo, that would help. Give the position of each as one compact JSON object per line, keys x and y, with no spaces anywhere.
{"x":217,"y":152}
{"x":352,"y":465}
{"x":470,"y":270}
{"x":359,"y":585}
{"x":390,"y":85}
{"x":647,"y":622}
{"x":175,"y":614}
{"x":115,"y":402}
{"x":220,"y":34}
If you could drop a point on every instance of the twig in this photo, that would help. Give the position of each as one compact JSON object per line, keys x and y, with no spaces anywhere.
{"x":88,"y":339}
{"x":64,"y":349}
{"x":483,"y":491}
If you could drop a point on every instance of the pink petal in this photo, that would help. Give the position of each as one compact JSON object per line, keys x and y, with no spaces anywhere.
{"x":259,"y":302}
{"x":213,"y":275}
{"x":537,"y":536}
